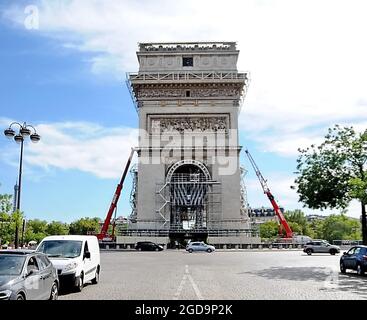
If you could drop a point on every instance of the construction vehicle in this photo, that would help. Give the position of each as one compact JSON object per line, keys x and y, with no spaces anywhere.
{"x":285,"y":230}
{"x":104,"y":235}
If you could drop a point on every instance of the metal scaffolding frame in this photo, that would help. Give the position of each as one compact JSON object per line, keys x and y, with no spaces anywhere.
{"x":245,"y":207}
{"x":188,"y":202}
{"x":134,"y":193}
{"x":184,"y":77}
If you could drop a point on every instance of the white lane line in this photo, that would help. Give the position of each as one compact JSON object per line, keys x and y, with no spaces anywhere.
{"x":186,"y":276}
{"x":196,"y":288}
{"x":180,"y":287}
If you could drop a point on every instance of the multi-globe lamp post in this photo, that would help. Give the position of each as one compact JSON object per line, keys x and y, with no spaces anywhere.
{"x":23,"y":132}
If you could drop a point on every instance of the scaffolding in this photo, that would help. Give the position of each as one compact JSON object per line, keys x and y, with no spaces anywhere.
{"x":134,"y":193}
{"x":188,"y":202}
{"x":245,"y":207}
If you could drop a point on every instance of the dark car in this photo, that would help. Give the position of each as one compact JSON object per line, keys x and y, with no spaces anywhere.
{"x":27,"y":275}
{"x":355,"y":259}
{"x":148,"y":246}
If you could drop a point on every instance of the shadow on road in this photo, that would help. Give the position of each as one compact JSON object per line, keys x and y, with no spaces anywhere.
{"x":351,"y":282}
{"x":293,"y":273}
{"x":329,"y":279}
{"x":65,"y":290}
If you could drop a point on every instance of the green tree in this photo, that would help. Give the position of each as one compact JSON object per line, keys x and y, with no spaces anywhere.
{"x":332,"y":174}
{"x":6,"y":223}
{"x":269,"y":230}
{"x":85,"y":226}
{"x":9,"y":221}
{"x":36,"y":230}
{"x":38,"y":226}
{"x":296,"y":228}
{"x":315,"y":229}
{"x":340,"y":227}
{"x":57,"y":228}
{"x":297,"y":216}
{"x":5,"y":203}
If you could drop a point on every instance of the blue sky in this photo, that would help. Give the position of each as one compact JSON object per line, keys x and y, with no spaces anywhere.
{"x":66,"y":77}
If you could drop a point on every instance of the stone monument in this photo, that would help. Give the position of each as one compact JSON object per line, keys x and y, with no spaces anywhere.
{"x":187,"y":180}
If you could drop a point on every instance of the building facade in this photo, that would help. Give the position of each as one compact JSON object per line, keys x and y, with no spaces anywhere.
{"x":187,"y":184}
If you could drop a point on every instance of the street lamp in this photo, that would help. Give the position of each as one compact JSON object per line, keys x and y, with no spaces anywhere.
{"x":24,"y":131}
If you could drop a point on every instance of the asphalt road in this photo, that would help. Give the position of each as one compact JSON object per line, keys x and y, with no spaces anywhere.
{"x":222,"y":275}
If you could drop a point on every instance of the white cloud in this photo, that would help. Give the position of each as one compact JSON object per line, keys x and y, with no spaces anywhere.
{"x":279,"y":185}
{"x":306,"y":58}
{"x":83,"y":146}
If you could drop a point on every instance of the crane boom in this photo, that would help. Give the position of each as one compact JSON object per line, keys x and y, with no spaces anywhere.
{"x":264,"y":185}
{"x":115,"y":199}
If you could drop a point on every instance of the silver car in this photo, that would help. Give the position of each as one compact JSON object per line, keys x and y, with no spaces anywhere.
{"x":27,"y":275}
{"x":199,"y":246}
{"x":320,"y":246}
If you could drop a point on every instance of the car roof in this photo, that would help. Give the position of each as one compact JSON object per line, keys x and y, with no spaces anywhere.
{"x":69,"y":237}
{"x":17,"y":252}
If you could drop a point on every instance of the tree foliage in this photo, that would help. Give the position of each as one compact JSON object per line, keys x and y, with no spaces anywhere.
{"x":57,"y":228}
{"x":8,"y":219}
{"x":85,"y":226}
{"x":269,"y":230}
{"x":36,"y":229}
{"x":333,"y":227}
{"x":332,"y":174}
{"x":336,"y":227}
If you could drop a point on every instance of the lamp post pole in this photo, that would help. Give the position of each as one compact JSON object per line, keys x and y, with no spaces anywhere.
{"x":24,"y":132}
{"x":16,"y":240}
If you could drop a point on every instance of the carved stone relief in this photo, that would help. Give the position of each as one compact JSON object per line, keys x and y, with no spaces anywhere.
{"x":194,"y":93}
{"x":188,"y":124}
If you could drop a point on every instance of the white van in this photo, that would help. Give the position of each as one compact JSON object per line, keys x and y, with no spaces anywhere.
{"x":76,"y":258}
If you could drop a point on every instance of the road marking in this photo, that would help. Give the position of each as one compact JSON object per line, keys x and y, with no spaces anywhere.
{"x":186,"y":276}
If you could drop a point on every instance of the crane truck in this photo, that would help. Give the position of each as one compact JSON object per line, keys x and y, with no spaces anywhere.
{"x":285,"y":230}
{"x":103,"y":235}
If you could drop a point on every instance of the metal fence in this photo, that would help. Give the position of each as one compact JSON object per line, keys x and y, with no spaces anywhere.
{"x":347,"y":242}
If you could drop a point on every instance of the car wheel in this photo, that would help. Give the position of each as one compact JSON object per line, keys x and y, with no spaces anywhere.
{"x":96,"y":279}
{"x":20,"y":297}
{"x":332,"y":252}
{"x":190,"y":250}
{"x":209,"y":250}
{"x":80,"y":285}
{"x":54,"y":291}
{"x":360,"y":270}
{"x":156,"y":249}
{"x":342,"y":268}
{"x":309,"y":251}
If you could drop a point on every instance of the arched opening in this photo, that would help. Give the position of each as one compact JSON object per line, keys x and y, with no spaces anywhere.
{"x":188,"y":195}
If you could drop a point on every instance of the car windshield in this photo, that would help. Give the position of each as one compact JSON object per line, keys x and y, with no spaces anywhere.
{"x":61,"y":248}
{"x":11,"y":265}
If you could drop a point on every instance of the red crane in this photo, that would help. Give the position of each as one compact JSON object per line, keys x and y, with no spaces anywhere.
{"x":283,"y":222}
{"x":103,"y":235}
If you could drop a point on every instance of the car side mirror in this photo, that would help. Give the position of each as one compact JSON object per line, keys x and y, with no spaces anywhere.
{"x":87,"y":255}
{"x":344,"y":253}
